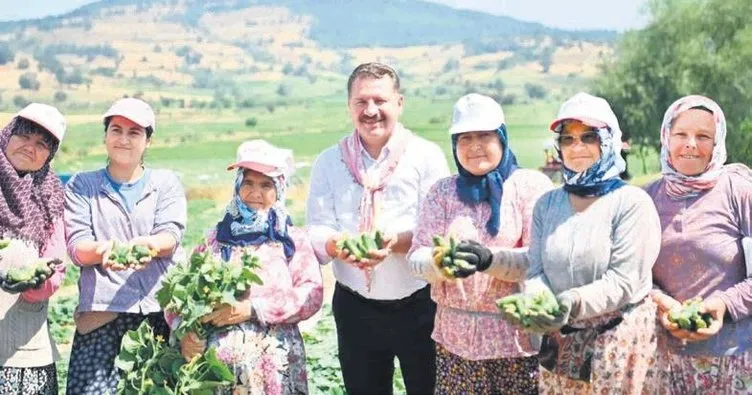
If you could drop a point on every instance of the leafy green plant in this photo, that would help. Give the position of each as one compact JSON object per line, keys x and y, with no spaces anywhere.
{"x":60,"y":317}
{"x":151,"y":366}
{"x":196,"y":289}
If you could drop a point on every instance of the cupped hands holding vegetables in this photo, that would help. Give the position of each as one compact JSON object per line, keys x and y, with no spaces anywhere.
{"x":21,"y":279}
{"x":364,"y":250}
{"x":135,"y":254}
{"x":694,"y":320}
{"x":539,"y":313}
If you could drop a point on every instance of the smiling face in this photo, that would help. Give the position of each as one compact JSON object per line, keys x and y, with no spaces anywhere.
{"x":257,"y":190}
{"x":375,"y":106}
{"x":691,"y":141}
{"x":125,"y":141}
{"x":479,"y":152}
{"x":28,"y":152}
{"x":580,"y":146}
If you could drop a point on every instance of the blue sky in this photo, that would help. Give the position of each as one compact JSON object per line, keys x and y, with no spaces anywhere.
{"x":570,"y":14}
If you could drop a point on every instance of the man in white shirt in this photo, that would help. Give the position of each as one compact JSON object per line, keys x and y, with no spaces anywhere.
{"x":375,"y":179}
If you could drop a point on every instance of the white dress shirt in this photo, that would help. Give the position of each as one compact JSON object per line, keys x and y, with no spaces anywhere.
{"x":334,"y":206}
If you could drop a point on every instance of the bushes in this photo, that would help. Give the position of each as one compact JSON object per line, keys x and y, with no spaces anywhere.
{"x":29,"y":81}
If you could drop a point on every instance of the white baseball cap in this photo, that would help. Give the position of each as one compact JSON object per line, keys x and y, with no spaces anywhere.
{"x":45,"y":116}
{"x":264,"y":158}
{"x":134,"y":109}
{"x":588,"y":109}
{"x":476,"y":112}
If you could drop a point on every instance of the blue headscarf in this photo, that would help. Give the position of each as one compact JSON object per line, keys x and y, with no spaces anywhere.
{"x":243,"y":226}
{"x":490,"y":186}
{"x":603,"y":176}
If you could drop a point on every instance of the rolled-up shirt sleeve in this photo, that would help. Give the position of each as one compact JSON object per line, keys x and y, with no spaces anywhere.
{"x":78,"y":219}
{"x":171,"y":212}
{"x":320,"y":214}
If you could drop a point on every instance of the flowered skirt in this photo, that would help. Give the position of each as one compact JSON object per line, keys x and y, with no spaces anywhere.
{"x":730,"y":375}
{"x":92,"y":362}
{"x":456,"y":375}
{"x":28,"y":381}
{"x":623,"y":358}
{"x":266,"y":359}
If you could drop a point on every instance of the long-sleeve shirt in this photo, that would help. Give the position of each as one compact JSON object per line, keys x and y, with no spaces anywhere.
{"x":93,"y":211}
{"x":470,"y":326}
{"x":24,"y":337}
{"x":604,"y":253}
{"x":701,"y":255}
{"x":292,"y":292}
{"x":333,"y":207}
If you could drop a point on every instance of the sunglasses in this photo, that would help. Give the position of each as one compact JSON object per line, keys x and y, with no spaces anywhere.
{"x":588,"y":138}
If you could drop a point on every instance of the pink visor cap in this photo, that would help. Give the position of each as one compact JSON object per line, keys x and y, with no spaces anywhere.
{"x":47,"y":117}
{"x":588,"y":109}
{"x":264,"y":158}
{"x":136,"y":110}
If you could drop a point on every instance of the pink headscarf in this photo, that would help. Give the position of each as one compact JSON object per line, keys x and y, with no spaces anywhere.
{"x":681,"y":186}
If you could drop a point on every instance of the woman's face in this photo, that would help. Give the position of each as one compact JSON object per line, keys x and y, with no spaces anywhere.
{"x":479,"y":152}
{"x":27,"y":153}
{"x":125,"y":141}
{"x":691,"y":141}
{"x":257,"y":190}
{"x":580,"y":146}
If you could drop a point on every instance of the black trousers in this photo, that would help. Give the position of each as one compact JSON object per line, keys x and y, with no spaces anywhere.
{"x":370,"y":333}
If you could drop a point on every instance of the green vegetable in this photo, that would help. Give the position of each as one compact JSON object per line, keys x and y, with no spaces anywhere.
{"x":195,"y":289}
{"x":688,"y":316}
{"x":4,"y":243}
{"x":369,"y":242}
{"x":33,"y":275}
{"x":448,"y":248}
{"x":522,"y":307}
{"x":21,"y":274}
{"x":378,"y":237}
{"x":362,"y":244}
{"x":151,"y":366}
{"x":126,"y":256}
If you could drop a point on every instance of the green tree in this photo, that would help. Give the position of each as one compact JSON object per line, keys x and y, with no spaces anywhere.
{"x":690,"y":47}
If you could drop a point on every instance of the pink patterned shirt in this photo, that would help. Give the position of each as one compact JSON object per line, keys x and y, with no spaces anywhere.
{"x":470,"y":326}
{"x":291,"y":292}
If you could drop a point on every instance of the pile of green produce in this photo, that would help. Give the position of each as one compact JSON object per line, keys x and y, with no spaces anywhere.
{"x":444,"y":256}
{"x":688,"y":316}
{"x":150,"y":366}
{"x":31,"y":276}
{"x":126,"y":256}
{"x":196,"y":289}
{"x":522,"y":307}
{"x":359,"y":246}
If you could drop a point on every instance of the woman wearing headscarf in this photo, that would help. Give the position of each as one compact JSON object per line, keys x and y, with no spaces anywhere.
{"x":259,"y":337}
{"x":31,"y":216}
{"x":705,"y":209}
{"x":490,"y":201}
{"x":124,"y":202}
{"x":594,"y":242}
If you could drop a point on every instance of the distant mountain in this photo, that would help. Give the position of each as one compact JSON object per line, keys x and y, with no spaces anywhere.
{"x":359,"y":23}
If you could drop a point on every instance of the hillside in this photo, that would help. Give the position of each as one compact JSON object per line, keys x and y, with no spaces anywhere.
{"x":245,"y":53}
